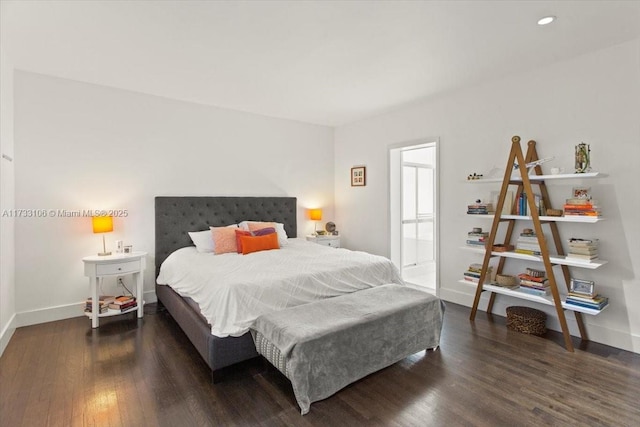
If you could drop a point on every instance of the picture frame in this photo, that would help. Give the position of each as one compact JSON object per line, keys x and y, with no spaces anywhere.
{"x":128,"y":249}
{"x":582,"y":193}
{"x":582,"y":287}
{"x":358,"y":176}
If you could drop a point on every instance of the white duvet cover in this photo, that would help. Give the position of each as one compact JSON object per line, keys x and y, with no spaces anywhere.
{"x":232,"y":290}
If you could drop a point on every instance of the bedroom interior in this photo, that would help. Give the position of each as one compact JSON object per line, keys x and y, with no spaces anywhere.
{"x":116,"y":105}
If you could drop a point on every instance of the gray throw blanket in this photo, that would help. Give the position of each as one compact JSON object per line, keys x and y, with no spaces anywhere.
{"x":331,"y":343}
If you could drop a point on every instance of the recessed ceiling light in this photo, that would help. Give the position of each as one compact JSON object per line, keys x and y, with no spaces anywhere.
{"x":546,"y":20}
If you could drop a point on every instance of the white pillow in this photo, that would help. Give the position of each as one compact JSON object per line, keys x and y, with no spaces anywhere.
{"x":282,"y":234}
{"x":204,"y":239}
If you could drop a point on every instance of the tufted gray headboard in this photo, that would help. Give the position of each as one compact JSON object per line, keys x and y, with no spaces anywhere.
{"x":177,"y":215}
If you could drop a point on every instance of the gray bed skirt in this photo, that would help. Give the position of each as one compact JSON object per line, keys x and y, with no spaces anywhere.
{"x":217,"y":352}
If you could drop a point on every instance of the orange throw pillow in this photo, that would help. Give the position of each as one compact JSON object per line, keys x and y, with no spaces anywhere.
{"x":259,"y":243}
{"x":240,"y":233}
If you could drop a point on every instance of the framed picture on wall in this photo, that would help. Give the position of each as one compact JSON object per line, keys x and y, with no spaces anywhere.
{"x":358,"y":176}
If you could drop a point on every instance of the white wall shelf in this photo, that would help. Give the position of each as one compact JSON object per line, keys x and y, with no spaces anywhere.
{"x":568,"y":218}
{"x":541,"y":177}
{"x":547,"y":300}
{"x":555,"y":259}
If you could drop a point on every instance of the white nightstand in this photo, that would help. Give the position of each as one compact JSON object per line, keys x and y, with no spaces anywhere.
{"x":325,"y":240}
{"x":97,"y":267}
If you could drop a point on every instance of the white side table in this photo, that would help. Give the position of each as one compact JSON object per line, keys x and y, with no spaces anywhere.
{"x":97,"y":267}
{"x":325,"y":240}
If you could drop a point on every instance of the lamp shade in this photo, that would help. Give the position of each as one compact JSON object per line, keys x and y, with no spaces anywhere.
{"x":102,"y":224}
{"x":315,"y":214}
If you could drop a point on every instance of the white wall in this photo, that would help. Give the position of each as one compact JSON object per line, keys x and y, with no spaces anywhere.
{"x":7,"y":203}
{"x":84,"y":146}
{"x":593,"y":98}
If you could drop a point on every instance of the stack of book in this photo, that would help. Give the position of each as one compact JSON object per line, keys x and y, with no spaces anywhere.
{"x":583,"y":294}
{"x":534,"y":282}
{"x":477,"y":238}
{"x":597,"y":302}
{"x":473,"y":273}
{"x":581,"y":207}
{"x":528,"y":243}
{"x":123,"y":303}
{"x":479,"y":208}
{"x":103,"y":303}
{"x":583,"y":249}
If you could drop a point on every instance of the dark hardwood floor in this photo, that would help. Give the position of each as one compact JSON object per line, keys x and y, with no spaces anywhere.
{"x":132,"y":372}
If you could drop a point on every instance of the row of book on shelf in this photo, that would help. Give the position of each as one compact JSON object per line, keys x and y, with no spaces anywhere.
{"x":582,"y":205}
{"x":110,"y":302}
{"x":522,"y":206}
{"x":581,"y":293}
{"x":528,"y":243}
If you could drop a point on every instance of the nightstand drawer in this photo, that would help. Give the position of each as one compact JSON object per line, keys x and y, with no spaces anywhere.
{"x":117,"y":268}
{"x":334,"y":243}
{"x":325,"y":240}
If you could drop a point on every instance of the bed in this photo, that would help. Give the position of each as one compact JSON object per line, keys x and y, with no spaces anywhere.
{"x":174,"y":218}
{"x":231,"y":291}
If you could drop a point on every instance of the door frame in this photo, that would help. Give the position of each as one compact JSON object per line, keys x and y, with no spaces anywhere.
{"x":395,"y":192}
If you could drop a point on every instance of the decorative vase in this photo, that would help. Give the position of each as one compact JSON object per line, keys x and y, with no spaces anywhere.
{"x":583,"y":158}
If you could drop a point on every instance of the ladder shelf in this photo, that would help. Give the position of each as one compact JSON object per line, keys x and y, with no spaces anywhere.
{"x":524,"y":178}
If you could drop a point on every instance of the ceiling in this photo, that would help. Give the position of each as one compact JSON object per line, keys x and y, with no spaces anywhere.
{"x":322,"y":62}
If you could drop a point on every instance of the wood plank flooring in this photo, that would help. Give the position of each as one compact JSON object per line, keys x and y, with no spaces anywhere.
{"x":132,"y":372}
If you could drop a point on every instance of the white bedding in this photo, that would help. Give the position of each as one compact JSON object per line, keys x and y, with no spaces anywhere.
{"x":232,"y":290}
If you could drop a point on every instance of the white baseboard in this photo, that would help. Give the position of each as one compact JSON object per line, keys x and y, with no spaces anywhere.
{"x":68,"y":311}
{"x":611,"y":337}
{"x":7,"y":333}
{"x":456,"y":296}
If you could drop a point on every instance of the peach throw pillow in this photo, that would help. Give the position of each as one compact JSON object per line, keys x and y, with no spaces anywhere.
{"x":224,"y":239}
{"x":254,"y":226}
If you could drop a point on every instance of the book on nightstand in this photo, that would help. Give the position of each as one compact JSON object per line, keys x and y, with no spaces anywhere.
{"x":123,"y":302}
{"x":103,"y":303}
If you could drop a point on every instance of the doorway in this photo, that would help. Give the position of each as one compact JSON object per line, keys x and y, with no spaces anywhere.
{"x":413,"y":184}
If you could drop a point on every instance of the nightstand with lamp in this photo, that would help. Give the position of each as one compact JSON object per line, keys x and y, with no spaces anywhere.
{"x":329,"y":237}
{"x":104,"y":264}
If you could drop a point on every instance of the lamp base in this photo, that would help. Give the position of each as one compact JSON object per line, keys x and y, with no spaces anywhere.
{"x":104,"y":248}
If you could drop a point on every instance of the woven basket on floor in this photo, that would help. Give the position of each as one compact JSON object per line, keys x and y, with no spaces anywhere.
{"x":526,"y":320}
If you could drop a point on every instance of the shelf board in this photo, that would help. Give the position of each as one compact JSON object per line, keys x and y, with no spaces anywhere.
{"x":546,"y":300}
{"x":555,"y":259}
{"x":584,"y":310}
{"x":541,"y":177}
{"x":111,"y":312}
{"x":569,"y":218}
